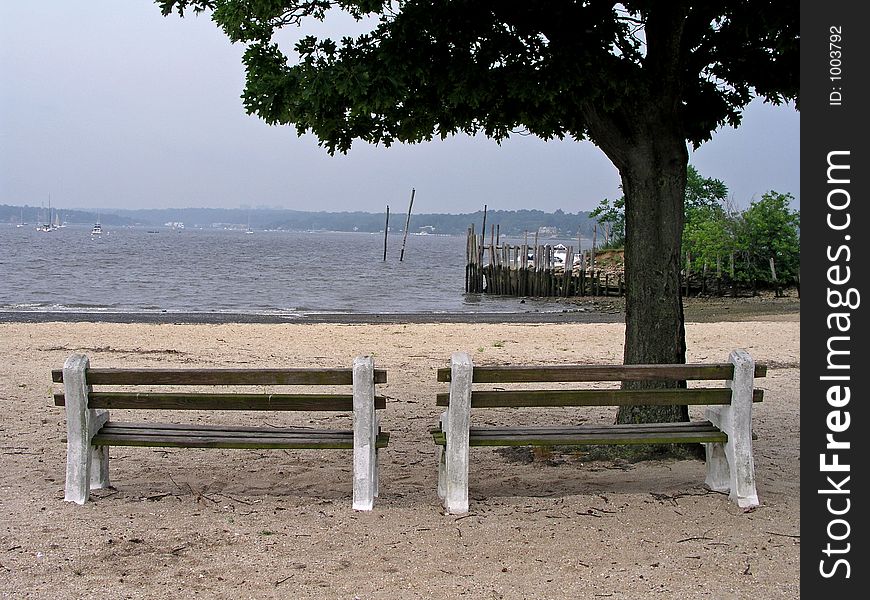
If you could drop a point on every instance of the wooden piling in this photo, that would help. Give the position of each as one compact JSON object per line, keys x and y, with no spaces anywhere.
{"x":407,"y":225}
{"x":495,"y":267}
{"x":386,"y":231}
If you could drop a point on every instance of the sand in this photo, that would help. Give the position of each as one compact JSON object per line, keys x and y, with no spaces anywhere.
{"x":278,"y":524}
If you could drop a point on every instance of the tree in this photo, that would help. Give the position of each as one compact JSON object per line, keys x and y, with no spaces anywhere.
{"x":639,"y":79}
{"x":703,"y":192}
{"x":706,"y":231}
{"x":614,"y":215}
{"x":770,"y":230}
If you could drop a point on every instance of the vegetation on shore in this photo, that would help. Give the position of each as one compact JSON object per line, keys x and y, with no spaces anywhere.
{"x":758,"y":246}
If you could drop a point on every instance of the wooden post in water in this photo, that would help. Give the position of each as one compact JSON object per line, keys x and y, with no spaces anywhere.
{"x":407,"y":224}
{"x":468,"y":262}
{"x":482,"y":233}
{"x":523,"y":266}
{"x":386,"y":230}
{"x":568,"y":272}
{"x":594,"y":243}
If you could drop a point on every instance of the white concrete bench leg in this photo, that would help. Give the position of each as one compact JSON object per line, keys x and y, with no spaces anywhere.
{"x":99,"y":454}
{"x":442,"y":461}
{"x":376,"y":467}
{"x":364,"y":434}
{"x":730,"y":466}
{"x":458,"y":420}
{"x":87,"y":467}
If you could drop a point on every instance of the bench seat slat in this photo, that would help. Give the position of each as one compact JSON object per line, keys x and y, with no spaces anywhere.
{"x":119,"y":428}
{"x":190,"y":436}
{"x":207,"y":401}
{"x":597,"y":397}
{"x":596,"y":428}
{"x":578,"y":373}
{"x":645,"y":433}
{"x":139,"y":426}
{"x":341,"y":376}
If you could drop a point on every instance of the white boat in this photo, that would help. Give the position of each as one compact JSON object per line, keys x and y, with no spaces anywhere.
{"x":560,"y":254}
{"x":46,"y":223}
{"x":97,"y":229}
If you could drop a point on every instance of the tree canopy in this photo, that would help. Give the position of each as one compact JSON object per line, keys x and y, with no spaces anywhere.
{"x":554,"y":69}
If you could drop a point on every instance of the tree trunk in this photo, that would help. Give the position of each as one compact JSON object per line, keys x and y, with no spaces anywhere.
{"x":652,"y":159}
{"x":654,"y":183}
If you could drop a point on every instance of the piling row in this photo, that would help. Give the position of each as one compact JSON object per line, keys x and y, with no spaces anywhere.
{"x":532,"y":271}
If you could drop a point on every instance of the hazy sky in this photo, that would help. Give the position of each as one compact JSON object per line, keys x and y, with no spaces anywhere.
{"x":105,"y":103}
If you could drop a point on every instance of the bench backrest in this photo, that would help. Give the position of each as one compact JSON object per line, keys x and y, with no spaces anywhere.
{"x":108,"y":398}
{"x":656,"y":374}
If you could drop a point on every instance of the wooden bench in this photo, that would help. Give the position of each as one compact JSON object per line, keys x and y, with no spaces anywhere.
{"x":90,"y":432}
{"x":726,"y":432}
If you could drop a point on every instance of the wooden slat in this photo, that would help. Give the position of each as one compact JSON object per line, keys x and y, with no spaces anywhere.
{"x":264,"y":440}
{"x":132,"y":426}
{"x":341,"y":376}
{"x":206,"y":401}
{"x":673,"y":372}
{"x":613,"y":397}
{"x":116,"y":433}
{"x":661,"y":433}
{"x":158,"y":429}
{"x":595,"y":428}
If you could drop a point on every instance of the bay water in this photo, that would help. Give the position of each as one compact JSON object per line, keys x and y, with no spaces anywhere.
{"x":141,"y":270}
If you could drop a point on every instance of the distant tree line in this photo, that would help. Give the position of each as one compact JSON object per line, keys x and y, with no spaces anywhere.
{"x":756,"y":246}
{"x":36,"y":215}
{"x":508,"y":222}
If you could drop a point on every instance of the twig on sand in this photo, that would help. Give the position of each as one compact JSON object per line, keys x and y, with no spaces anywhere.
{"x":788,"y":535}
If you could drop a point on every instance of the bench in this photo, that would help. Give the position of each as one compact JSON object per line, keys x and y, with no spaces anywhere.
{"x":88,"y":394}
{"x":726,"y":432}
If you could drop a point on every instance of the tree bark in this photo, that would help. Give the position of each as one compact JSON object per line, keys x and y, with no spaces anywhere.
{"x":654,"y":183}
{"x":652,"y":165}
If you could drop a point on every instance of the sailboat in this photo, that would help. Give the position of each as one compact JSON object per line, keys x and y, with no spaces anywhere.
{"x":97,"y":229}
{"x":46,"y":223}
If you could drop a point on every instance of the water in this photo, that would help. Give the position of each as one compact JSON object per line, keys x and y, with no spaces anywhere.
{"x":132,"y":270}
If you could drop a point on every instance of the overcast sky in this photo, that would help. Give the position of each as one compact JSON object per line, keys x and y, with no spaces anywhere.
{"x":105,"y":103}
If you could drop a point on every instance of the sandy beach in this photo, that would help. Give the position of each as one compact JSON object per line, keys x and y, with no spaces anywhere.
{"x":278,"y":524}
